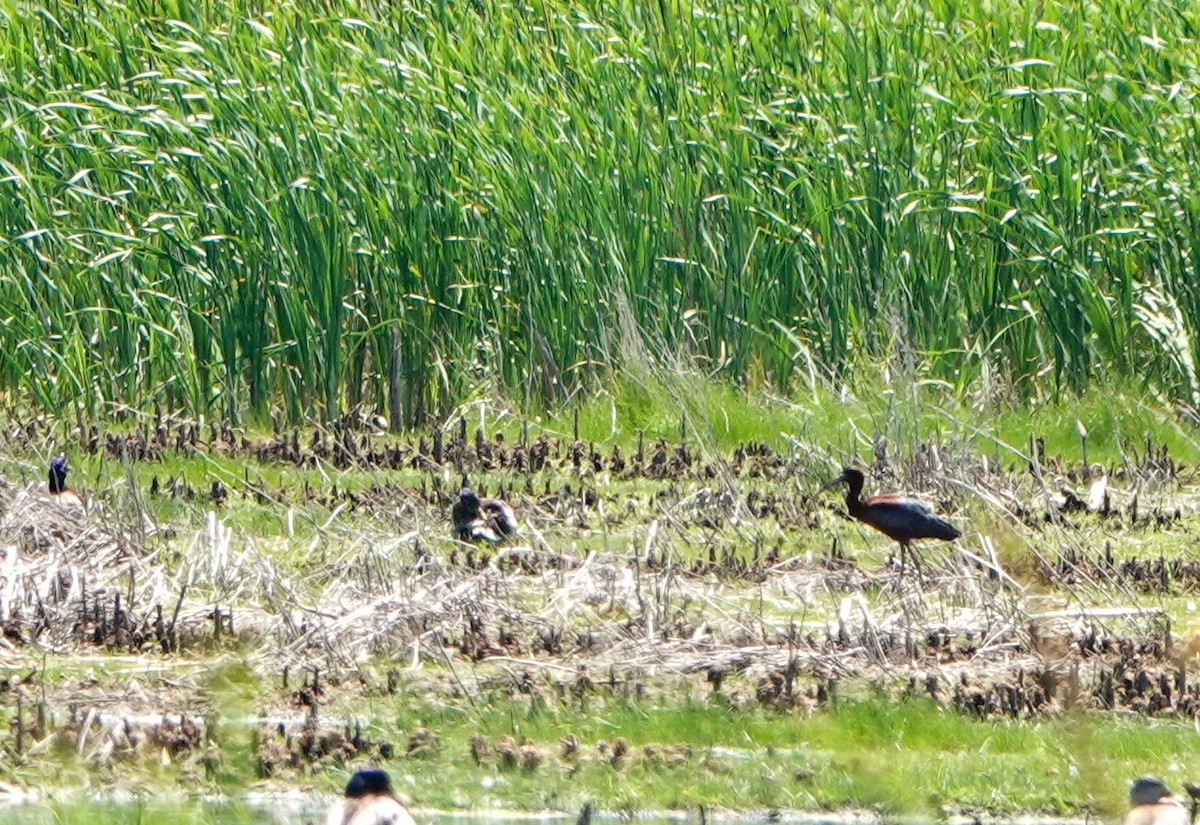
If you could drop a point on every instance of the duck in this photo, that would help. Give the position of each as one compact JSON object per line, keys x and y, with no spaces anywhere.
{"x":1150,"y":803}
{"x":482,"y":519}
{"x":369,"y":800}
{"x":901,"y":519}
{"x":60,"y":493}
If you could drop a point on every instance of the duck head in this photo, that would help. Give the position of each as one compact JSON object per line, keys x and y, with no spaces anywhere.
{"x":1148,"y":790}
{"x":369,"y":782}
{"x":468,"y":500}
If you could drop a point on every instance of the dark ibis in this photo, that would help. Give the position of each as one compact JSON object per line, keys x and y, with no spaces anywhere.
{"x":60,"y":493}
{"x":369,"y":800}
{"x":482,"y":519}
{"x":901,"y":519}
{"x":1150,"y":803}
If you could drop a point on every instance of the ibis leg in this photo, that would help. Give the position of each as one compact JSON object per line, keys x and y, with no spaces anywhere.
{"x":906,"y":553}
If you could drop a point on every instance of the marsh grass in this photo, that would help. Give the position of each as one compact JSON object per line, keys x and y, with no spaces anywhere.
{"x":70,"y":812}
{"x":844,"y":422}
{"x":908,"y":757}
{"x":897,"y":757}
{"x":252,"y":207}
{"x":269,"y":512}
{"x":825,"y":428}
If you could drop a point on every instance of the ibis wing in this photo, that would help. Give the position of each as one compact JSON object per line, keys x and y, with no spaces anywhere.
{"x":904,"y":519}
{"x":911,"y":505}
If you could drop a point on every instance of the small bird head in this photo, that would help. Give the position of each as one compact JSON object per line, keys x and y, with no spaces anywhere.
{"x":1148,"y":790}
{"x":369,"y":782}
{"x":852,"y":475}
{"x":467,"y":496}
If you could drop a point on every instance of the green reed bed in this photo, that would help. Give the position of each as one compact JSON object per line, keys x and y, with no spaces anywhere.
{"x":236,"y":206}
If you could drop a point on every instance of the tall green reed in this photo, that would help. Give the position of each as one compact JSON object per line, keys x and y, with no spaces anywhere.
{"x":230,"y":208}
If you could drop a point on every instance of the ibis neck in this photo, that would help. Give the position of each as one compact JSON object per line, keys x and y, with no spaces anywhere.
{"x":854,"y":494}
{"x":855,"y":505}
{"x":58,"y":482}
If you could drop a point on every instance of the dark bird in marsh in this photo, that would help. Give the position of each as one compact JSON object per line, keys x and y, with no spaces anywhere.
{"x":60,"y":493}
{"x":901,"y":519}
{"x":369,"y":800}
{"x":1150,"y":803}
{"x":482,"y":519}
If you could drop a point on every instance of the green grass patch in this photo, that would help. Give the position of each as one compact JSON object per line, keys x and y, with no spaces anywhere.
{"x":72,"y":812}
{"x":906,"y":757}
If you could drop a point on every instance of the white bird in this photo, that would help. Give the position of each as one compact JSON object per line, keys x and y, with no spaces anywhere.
{"x":1098,"y":493}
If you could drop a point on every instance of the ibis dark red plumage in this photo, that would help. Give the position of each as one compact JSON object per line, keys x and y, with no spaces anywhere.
{"x":901,"y":519}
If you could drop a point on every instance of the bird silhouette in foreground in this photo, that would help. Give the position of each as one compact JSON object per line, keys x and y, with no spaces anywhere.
{"x":482,"y":519}
{"x":369,"y":800}
{"x":901,"y":519}
{"x":60,"y":493}
{"x":1150,"y":803}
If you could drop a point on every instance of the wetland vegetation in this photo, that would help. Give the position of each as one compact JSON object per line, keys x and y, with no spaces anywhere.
{"x":279,"y":278}
{"x":680,"y":624}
